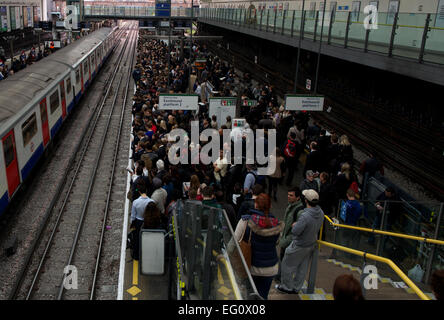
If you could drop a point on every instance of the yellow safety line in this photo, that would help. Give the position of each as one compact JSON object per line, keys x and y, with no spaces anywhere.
{"x":135,"y":272}
{"x":389,"y":262}
{"x":394,"y":234}
{"x":234,"y":285}
{"x":135,"y":298}
{"x":229,"y":270}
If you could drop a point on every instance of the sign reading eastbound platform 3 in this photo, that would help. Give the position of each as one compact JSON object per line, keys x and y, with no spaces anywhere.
{"x":178,"y":101}
{"x":304,"y":102}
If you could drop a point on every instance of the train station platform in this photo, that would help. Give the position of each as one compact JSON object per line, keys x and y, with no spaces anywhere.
{"x":225,"y":279}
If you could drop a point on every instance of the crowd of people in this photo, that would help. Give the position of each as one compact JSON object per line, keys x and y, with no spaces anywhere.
{"x":34,"y":55}
{"x":329,"y":173}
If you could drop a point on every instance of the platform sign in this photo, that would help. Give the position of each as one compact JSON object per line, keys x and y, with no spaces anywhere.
{"x":200,"y":64}
{"x":239,"y":123}
{"x":222,"y":108}
{"x":308,"y":84}
{"x":304,"y":102}
{"x":3,"y":19}
{"x":249,"y":103}
{"x":178,"y":101}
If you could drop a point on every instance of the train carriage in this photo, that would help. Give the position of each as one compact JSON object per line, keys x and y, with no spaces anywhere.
{"x":35,"y":102}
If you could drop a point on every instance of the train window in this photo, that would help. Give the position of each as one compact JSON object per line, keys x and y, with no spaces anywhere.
{"x":68,"y":85}
{"x":54,"y":101}
{"x":77,"y":76}
{"x":8,"y":149}
{"x":43,"y":113}
{"x":29,"y":129}
{"x":93,"y":61}
{"x":85,"y":67}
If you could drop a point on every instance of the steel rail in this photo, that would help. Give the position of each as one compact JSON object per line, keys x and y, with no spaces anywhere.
{"x":49,"y":243}
{"x":99,"y":251}
{"x":93,"y":177}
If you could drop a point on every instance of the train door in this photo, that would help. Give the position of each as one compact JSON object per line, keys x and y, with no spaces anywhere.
{"x":44,"y":119}
{"x":11,"y":164}
{"x":81,"y":76}
{"x":63,"y":96}
{"x":89,"y":68}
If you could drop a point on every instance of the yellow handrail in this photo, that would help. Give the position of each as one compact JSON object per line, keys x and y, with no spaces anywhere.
{"x":389,"y":262}
{"x":394,"y":234}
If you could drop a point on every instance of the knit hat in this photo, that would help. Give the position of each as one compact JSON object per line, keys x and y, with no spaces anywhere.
{"x":310,"y":195}
{"x":160,"y":165}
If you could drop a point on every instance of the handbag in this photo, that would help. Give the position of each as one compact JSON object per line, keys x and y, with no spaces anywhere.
{"x":245,"y":247}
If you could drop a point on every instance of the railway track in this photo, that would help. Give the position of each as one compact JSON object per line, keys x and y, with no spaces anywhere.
{"x":404,"y":150}
{"x":66,"y":260}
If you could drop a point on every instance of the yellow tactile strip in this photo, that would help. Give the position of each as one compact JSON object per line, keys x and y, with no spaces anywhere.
{"x":395,"y":284}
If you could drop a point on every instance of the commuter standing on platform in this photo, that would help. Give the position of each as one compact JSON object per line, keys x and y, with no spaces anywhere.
{"x":297,"y":255}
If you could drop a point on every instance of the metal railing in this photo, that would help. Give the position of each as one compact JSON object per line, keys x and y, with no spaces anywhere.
{"x":210,"y":264}
{"x":412,"y":35}
{"x":366,"y":255}
{"x":387,"y":233}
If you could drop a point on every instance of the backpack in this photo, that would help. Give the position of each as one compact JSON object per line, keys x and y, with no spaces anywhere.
{"x":259,"y":180}
{"x":290,"y":149}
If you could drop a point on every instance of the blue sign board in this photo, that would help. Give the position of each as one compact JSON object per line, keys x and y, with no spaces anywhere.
{"x":163,"y":8}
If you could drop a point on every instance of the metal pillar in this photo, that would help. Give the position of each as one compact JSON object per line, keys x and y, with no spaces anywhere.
{"x":330,"y":27}
{"x":292,"y":23}
{"x":428,"y":270}
{"x":367,"y":35}
{"x":378,"y":245}
{"x":274,"y":22}
{"x":392,"y":38}
{"x":319,"y":50}
{"x":347,"y":29}
{"x":208,"y":256}
{"x":268,"y":16}
{"x":301,"y":34}
{"x":283,"y":21}
{"x":316,"y":26}
{"x":424,"y":38}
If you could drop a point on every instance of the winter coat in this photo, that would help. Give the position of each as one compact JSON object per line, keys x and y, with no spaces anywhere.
{"x":290,"y":216}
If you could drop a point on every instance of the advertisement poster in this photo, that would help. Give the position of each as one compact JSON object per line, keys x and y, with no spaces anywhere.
{"x":36,"y":15}
{"x":29,"y":10}
{"x":392,"y":10}
{"x":3,"y":19}
{"x":12,"y":15}
{"x":18,"y":18}
{"x":222,"y":108}
{"x":439,"y":23}
{"x":25,"y":17}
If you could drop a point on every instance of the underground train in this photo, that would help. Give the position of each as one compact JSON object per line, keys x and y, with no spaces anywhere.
{"x":35,"y":101}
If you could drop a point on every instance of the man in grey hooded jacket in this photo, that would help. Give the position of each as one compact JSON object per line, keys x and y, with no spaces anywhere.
{"x":304,"y":234}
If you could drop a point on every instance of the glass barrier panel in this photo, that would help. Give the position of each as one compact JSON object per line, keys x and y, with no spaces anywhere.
{"x":338,"y":28}
{"x":288,"y":16}
{"x":434,"y":49}
{"x":296,"y":23}
{"x":379,"y":39}
{"x":356,"y":35}
{"x":409,"y":34}
{"x":309,"y":28}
